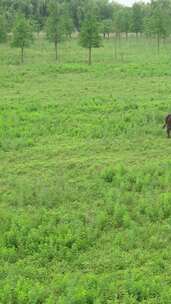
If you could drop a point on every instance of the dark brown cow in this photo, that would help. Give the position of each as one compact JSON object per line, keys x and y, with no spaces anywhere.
{"x":167,"y":124}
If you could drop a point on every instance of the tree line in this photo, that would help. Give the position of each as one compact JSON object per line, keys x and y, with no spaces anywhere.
{"x":92,"y":19}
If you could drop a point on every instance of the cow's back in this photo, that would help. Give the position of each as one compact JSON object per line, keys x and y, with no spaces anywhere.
{"x":168,"y":120}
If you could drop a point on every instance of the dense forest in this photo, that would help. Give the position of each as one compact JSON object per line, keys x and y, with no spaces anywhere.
{"x":150,"y":18}
{"x":60,"y":18}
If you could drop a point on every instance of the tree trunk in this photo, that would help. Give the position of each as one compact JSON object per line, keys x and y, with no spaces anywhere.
{"x":115,"y":46}
{"x":22,"y":55}
{"x":158,"y":43}
{"x":104,"y":35}
{"x":119,"y":37}
{"x":56,"y":51}
{"x":108,"y":35}
{"x":89,"y":57}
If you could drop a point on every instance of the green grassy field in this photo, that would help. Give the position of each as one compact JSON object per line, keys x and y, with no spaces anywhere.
{"x":85,"y":175}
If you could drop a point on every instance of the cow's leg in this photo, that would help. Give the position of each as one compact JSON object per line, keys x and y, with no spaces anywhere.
{"x":168,"y":132}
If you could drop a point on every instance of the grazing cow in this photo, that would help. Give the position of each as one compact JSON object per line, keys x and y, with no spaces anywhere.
{"x":167,"y":124}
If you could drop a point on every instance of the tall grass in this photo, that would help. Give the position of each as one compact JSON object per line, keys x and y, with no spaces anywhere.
{"x":85,"y":175}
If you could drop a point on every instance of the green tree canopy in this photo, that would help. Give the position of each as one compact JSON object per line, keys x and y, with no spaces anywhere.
{"x":55,"y":26}
{"x":68,"y":23}
{"x":22,"y":34}
{"x":137,"y":18}
{"x":125,"y":22}
{"x":158,"y":20}
{"x":106,"y":27}
{"x":89,"y":35}
{"x":3,"y":31}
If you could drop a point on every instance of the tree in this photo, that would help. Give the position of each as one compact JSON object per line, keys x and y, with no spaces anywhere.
{"x":89,"y":35}
{"x":68,"y":26}
{"x":106,"y":27}
{"x":117,"y":16}
{"x":68,"y":23}
{"x":76,"y":8}
{"x":137,"y":18}
{"x":37,"y":26}
{"x":125,"y":20}
{"x":22,"y":34}
{"x":117,"y":28}
{"x":55,"y":25}
{"x":3,"y":33}
{"x":158,"y":21}
{"x":105,"y":9}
